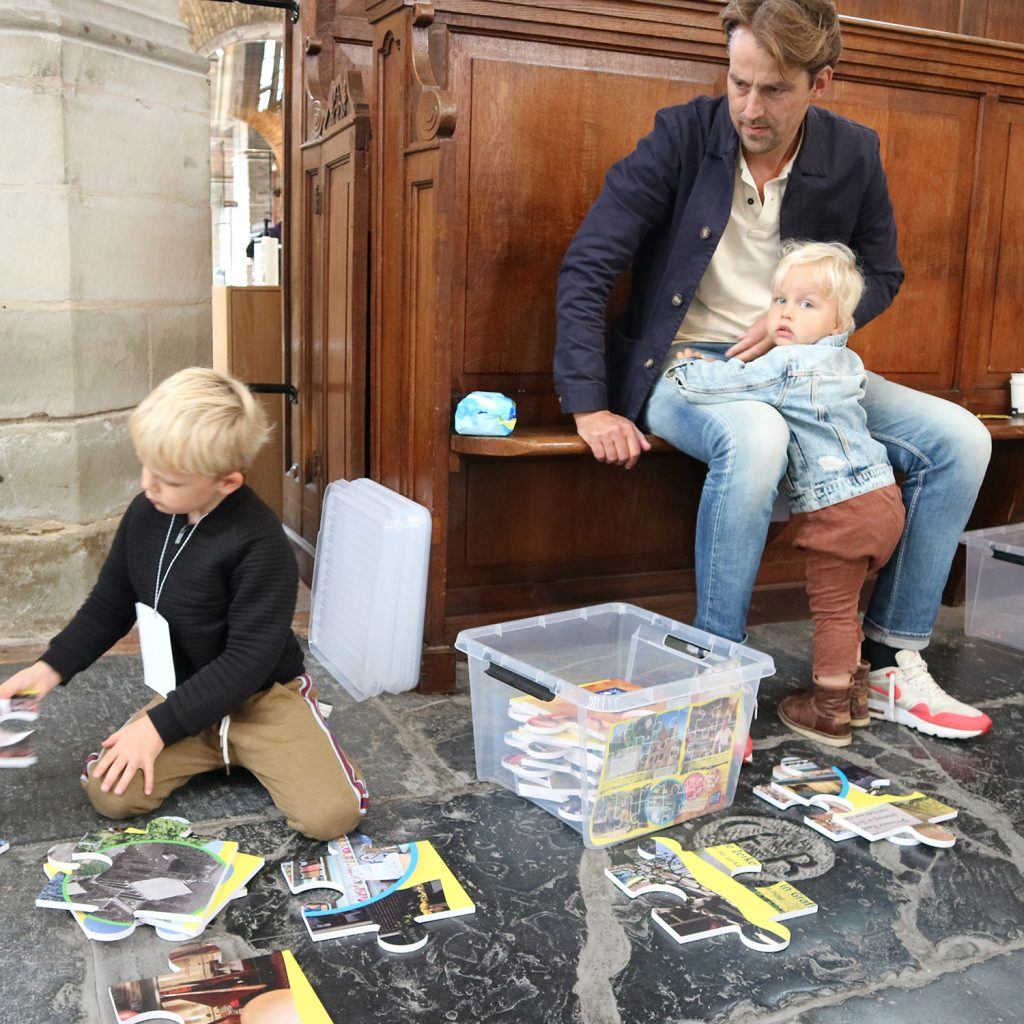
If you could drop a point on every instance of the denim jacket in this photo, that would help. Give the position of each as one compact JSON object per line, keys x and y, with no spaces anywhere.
{"x":817,"y":388}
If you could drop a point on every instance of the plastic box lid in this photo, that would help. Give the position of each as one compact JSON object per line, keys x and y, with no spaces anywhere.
{"x":668,"y":659}
{"x":1008,"y":539}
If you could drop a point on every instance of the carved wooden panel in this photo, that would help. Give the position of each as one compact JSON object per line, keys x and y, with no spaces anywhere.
{"x":932,"y":199}
{"x":346,"y":211}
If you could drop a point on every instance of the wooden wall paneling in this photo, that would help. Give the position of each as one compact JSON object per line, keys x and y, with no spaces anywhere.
{"x":537,"y":144}
{"x":937,"y":15}
{"x":1002,"y":350}
{"x":294,"y":257}
{"x":311,"y":383}
{"x":468,"y":234}
{"x":1004,"y":19}
{"x":928,"y":144}
{"x":973,"y":18}
{"x":346,"y":329}
{"x":409,"y":391}
{"x":247,"y":343}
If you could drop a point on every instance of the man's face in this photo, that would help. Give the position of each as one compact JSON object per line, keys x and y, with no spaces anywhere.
{"x":767,"y":103}
{"x":801,"y":313}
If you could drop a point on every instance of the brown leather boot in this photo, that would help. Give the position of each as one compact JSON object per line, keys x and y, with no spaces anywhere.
{"x":860,"y":715}
{"x":820,"y":713}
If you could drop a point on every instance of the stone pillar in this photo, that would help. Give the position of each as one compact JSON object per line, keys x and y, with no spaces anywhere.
{"x":104,"y":275}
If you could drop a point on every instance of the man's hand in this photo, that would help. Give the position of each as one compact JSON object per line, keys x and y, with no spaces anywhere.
{"x":37,"y":680}
{"x":754,"y":342}
{"x":612,"y":438}
{"x":131,"y":749}
{"x":689,"y":353}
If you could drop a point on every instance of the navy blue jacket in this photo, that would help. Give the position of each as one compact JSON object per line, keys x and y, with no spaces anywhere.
{"x":664,"y":208}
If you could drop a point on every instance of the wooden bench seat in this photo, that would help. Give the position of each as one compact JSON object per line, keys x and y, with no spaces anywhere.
{"x":555,"y":441}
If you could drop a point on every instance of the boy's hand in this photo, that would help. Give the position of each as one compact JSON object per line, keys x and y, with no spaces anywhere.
{"x":131,"y":749}
{"x":753,"y":342}
{"x":37,"y":680}
{"x":688,"y":353}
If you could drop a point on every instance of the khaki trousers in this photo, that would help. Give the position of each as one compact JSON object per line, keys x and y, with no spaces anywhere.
{"x":281,"y":737}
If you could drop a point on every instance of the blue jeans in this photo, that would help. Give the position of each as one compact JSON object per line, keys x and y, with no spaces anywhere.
{"x":942,"y":450}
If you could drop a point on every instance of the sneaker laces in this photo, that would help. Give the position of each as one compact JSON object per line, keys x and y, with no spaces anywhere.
{"x":917,"y":677}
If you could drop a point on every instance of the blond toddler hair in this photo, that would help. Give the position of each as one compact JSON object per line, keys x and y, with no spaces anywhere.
{"x":199,"y":421}
{"x":835,"y":273}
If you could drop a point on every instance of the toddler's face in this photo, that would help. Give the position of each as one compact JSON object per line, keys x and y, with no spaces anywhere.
{"x":801,"y":313}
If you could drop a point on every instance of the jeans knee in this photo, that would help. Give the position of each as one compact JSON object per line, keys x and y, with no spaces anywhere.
{"x":961,"y":441}
{"x":756,"y":449}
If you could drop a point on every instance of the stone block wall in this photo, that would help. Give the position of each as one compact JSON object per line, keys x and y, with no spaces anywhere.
{"x":104,"y":275}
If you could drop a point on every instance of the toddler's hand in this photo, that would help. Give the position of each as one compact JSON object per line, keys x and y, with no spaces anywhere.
{"x":133,"y":748}
{"x":688,"y":353}
{"x":37,"y":680}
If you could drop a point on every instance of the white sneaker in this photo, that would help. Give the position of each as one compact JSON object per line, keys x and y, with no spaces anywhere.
{"x":909,"y":695}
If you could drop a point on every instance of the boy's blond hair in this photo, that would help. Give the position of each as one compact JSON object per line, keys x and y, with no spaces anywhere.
{"x":199,"y":421}
{"x":835,"y":273}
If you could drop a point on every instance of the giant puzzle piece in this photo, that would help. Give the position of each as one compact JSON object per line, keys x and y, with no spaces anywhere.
{"x":118,"y":877}
{"x":850,"y":801}
{"x":18,"y":716}
{"x":390,"y":890}
{"x":713,"y":903}
{"x":202,"y":986}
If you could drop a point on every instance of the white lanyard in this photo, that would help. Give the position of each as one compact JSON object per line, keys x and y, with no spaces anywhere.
{"x":160,"y":583}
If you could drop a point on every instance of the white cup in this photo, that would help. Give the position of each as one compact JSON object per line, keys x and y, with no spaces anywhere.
{"x":1017,"y":394}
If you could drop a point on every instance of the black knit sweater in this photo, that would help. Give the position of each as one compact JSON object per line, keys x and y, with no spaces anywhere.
{"x":229,"y":602}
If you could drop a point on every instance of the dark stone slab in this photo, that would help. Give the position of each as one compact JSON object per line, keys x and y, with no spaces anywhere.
{"x":552,"y":939}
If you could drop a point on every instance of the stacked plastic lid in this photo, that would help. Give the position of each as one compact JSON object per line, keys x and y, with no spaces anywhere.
{"x":370,"y":588}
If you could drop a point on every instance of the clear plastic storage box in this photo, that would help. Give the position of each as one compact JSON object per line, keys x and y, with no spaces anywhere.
{"x":616,"y":720}
{"x":994,"y":606}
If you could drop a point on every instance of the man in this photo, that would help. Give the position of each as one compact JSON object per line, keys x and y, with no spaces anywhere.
{"x":699,"y":209}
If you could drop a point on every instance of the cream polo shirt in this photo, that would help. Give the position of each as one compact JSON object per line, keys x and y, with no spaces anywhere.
{"x":736,"y":288}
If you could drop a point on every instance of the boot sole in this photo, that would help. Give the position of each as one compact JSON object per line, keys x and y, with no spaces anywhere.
{"x":860,"y":723}
{"x":832,"y":741}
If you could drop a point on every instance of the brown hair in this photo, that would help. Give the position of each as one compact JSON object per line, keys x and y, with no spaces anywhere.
{"x":797,"y":33}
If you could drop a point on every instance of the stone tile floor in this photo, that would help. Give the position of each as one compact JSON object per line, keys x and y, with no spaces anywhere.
{"x":911,"y":934}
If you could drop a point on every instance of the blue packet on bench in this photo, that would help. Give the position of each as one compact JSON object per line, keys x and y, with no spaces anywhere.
{"x":485,"y":414}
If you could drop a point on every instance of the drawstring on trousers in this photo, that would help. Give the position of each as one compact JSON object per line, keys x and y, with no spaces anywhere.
{"x":225,"y":724}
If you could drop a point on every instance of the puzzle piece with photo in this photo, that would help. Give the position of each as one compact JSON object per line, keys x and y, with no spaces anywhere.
{"x":18,"y":717}
{"x":851,"y":801}
{"x":389,"y":890}
{"x":203,"y":986}
{"x":712,"y":902}
{"x":118,"y":877}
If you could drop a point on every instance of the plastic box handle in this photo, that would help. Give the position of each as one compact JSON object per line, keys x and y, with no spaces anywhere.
{"x":1008,"y":556}
{"x":695,"y":650}
{"x":527,"y":686}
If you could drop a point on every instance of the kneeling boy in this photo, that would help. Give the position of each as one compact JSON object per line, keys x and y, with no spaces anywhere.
{"x":206,"y":568}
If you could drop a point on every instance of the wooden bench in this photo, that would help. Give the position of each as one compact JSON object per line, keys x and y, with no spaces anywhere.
{"x":554,"y":442}
{"x":1000,"y":501}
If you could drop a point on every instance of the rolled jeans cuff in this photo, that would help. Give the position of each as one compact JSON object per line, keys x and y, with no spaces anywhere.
{"x":901,"y":642}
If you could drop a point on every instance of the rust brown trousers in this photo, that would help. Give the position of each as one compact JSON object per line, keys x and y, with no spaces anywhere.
{"x":844,"y":543}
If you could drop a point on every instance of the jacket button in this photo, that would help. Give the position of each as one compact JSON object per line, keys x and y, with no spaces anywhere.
{"x":677,"y":299}
{"x":649,"y":363}
{"x":705,"y":232}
